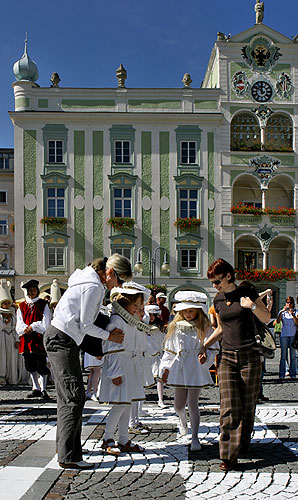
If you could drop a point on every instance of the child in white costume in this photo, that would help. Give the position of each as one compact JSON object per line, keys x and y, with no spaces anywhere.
{"x":180,"y":366}
{"x":122,"y":372}
{"x":144,"y":360}
{"x":93,"y":364}
{"x":8,"y":337}
{"x":156,"y":343}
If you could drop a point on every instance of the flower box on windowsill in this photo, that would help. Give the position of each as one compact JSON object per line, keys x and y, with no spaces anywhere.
{"x":187,"y":224}
{"x":53,"y":222}
{"x":240,"y":209}
{"x":271,"y":274}
{"x":121,"y":223}
{"x":280,"y":211}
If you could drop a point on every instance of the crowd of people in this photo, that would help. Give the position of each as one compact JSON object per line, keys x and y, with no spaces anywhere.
{"x":133,"y":342}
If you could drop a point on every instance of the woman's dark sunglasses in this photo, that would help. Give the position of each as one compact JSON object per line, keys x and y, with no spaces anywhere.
{"x":120,"y":281}
{"x":216,"y":282}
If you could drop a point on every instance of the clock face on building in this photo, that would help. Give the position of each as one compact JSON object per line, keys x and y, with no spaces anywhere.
{"x":261,"y":91}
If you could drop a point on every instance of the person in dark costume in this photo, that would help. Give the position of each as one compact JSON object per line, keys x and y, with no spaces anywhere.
{"x":33,"y":318}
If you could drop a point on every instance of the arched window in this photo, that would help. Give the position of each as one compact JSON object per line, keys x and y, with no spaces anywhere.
{"x":245,"y":133}
{"x":279,"y":133}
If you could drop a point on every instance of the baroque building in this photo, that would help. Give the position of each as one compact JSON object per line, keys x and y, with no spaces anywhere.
{"x":7,"y":215}
{"x":165,"y":167}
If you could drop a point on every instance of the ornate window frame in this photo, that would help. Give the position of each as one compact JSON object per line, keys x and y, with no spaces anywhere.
{"x":123,"y":241}
{"x":123,"y":180}
{"x":188,"y":133}
{"x":122,"y":133}
{"x":55,"y":180}
{"x":189,"y":181}
{"x":57,"y":132}
{"x":189,"y":242}
{"x":56,"y":240}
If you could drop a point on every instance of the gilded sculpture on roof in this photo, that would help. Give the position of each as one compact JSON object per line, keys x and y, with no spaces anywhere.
{"x":259,"y":9}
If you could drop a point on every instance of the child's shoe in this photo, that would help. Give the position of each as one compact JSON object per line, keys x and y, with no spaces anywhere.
{"x":183,"y":425}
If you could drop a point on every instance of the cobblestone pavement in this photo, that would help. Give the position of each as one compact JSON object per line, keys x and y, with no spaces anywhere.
{"x":167,"y":469}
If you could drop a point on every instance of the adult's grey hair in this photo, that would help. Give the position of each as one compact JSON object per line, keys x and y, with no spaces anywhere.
{"x":121,"y":265}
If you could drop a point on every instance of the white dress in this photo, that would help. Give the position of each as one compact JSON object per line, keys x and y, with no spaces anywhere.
{"x":157,"y":338}
{"x":12,"y":352}
{"x":91,"y":361}
{"x":123,"y":360}
{"x":181,"y":358}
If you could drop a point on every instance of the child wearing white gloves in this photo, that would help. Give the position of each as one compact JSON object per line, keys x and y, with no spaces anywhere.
{"x":180,"y":365}
{"x":122,"y":374}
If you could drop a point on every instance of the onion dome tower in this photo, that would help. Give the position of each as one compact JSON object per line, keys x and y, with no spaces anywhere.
{"x":25,"y":68}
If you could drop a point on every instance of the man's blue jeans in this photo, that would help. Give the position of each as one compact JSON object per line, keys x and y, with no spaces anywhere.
{"x":285,"y":344}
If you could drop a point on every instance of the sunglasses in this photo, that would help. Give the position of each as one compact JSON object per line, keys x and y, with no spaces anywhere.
{"x":216,"y":282}
{"x":120,"y":281}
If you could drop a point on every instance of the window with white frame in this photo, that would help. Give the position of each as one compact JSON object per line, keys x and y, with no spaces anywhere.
{"x":188,"y":150}
{"x":55,"y":257}
{"x":126,"y":252}
{"x":56,"y":202}
{"x":3,"y":226}
{"x":122,"y":151}
{"x":55,"y":151}
{"x":122,"y":202}
{"x":3,"y":196}
{"x":189,"y":258}
{"x":188,"y":203}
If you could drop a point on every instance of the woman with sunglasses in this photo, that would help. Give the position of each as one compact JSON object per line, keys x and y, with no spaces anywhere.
{"x":74,"y":318}
{"x":240,"y":366}
{"x":288,"y":317}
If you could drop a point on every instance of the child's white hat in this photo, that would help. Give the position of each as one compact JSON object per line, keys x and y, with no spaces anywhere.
{"x":55,"y":292}
{"x":4,"y":291}
{"x":152,"y":309}
{"x":131,"y":288}
{"x":189,"y":299}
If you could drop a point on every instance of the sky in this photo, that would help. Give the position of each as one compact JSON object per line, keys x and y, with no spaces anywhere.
{"x":157,"y":41}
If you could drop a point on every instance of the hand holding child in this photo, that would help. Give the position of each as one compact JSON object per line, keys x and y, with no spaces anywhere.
{"x":202,"y":355}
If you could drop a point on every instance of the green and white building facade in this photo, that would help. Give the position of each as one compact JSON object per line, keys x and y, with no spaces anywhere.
{"x":156,"y":155}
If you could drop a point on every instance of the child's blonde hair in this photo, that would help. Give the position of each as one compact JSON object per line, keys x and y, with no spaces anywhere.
{"x":125,"y":299}
{"x":201,"y":322}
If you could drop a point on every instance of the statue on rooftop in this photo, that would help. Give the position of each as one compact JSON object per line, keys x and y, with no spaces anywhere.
{"x":55,"y":79}
{"x":187,"y":80}
{"x":121,"y":75}
{"x":259,"y":9}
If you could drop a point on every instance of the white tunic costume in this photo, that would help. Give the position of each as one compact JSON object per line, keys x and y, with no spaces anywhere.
{"x":124,"y":360}
{"x":12,"y":352}
{"x":181,"y":358}
{"x":158,"y":338}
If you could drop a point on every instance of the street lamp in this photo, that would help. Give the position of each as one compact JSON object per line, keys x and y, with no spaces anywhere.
{"x":152,"y":270}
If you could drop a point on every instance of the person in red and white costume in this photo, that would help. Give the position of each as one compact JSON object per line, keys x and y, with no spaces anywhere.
{"x":33,"y":318}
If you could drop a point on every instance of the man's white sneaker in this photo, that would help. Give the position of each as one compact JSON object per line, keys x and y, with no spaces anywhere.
{"x":183,"y":429}
{"x":195,"y":445}
{"x":82,"y":465}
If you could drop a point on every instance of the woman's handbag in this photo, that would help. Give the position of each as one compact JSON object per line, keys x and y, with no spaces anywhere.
{"x":264,"y":339}
{"x":93,"y":345}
